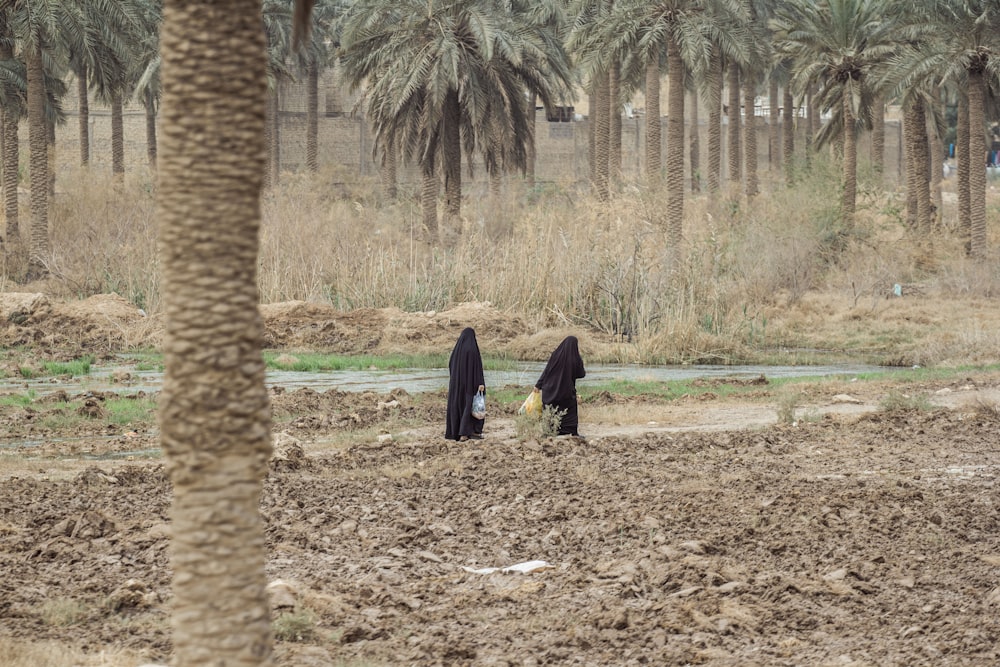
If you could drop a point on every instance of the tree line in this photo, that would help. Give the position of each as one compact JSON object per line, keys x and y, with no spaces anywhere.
{"x":443,"y":79}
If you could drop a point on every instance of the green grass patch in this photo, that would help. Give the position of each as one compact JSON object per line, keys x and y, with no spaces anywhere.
{"x":19,"y":400}
{"x":128,"y":410}
{"x":310,"y":362}
{"x":73,"y":368}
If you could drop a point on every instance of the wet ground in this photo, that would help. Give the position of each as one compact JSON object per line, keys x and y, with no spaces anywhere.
{"x":694,"y":531}
{"x":842,"y":524}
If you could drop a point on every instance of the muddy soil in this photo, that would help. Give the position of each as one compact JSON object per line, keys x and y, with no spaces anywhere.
{"x":713,"y":535}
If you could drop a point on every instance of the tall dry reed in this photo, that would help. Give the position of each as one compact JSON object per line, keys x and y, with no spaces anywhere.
{"x":552,"y":255}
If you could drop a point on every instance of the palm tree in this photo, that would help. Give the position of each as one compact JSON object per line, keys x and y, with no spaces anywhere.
{"x":278,"y":34}
{"x":837,"y":44}
{"x":961,"y":49}
{"x":446,"y":76}
{"x":682,"y":32}
{"x":46,"y":32}
{"x":12,"y":101}
{"x":214,"y":413}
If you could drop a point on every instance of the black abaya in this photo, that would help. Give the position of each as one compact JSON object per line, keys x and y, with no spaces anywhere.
{"x":465,"y":376}
{"x":558,"y":383}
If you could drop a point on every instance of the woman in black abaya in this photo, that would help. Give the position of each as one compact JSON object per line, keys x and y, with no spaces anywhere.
{"x":558,"y":383}
{"x":465,"y":378}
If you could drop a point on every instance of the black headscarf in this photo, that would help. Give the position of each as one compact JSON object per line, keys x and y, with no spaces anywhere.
{"x":465,"y":374}
{"x":558,"y":381}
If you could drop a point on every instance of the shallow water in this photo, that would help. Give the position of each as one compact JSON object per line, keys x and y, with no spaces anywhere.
{"x":419,"y":380}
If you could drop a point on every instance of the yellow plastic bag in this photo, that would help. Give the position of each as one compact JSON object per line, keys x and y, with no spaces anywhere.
{"x":532,"y":405}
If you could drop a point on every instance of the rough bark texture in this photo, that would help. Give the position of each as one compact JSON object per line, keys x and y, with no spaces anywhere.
{"x":602,"y":140}
{"x":38,"y":167}
{"x":675,"y":145}
{"x":694,"y":145}
{"x":388,"y":173}
{"x":117,"y":137}
{"x":788,"y":130}
{"x":151,"y":131}
{"x":11,"y":158}
{"x":734,"y":123}
{"x":921,"y":159}
{"x":312,"y":117}
{"x":962,"y":164}
{"x":84,"y":113}
{"x":593,"y":98}
{"x":654,"y":144}
{"x":912,"y":170}
{"x":773,"y":134}
{"x":752,"y":184}
{"x":529,"y":170}
{"x":812,"y":126}
{"x":614,"y":125}
{"x":275,"y":134}
{"x":935,"y":163}
{"x":715,"y":122}
{"x":214,"y":413}
{"x":452,"y":136}
{"x":429,"y":188}
{"x":850,"y":165}
{"x":977,"y":167}
{"x":878,"y":135}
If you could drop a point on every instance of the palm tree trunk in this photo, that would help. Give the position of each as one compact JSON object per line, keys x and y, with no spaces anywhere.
{"x":275,"y":152}
{"x":963,"y":165}
{"x":84,"y":113}
{"x":921,"y":159}
{"x":593,"y":105}
{"x":715,"y":121}
{"x":11,"y":158}
{"x":602,"y":140}
{"x":214,"y":412}
{"x":750,"y":137}
{"x":388,"y":173}
{"x":788,"y":130}
{"x":529,"y":172}
{"x":773,"y":135}
{"x":935,"y":162}
{"x":38,"y":167}
{"x":812,"y":125}
{"x":451,"y":135}
{"x":734,"y":123}
{"x":117,"y":138}
{"x":150,"y":130}
{"x":268,"y":141}
{"x":653,"y":141}
{"x":428,"y":198}
{"x":675,"y":146}
{"x":694,"y":144}
{"x":615,"y":125}
{"x":312,"y":117}
{"x":878,"y":135}
{"x":977,"y":166}
{"x":850,"y":165}
{"x":913,"y":170}
{"x":50,"y":153}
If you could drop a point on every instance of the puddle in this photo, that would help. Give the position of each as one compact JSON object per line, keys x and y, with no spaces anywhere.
{"x":420,"y":380}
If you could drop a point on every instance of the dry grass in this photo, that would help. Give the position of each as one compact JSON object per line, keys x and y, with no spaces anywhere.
{"x":20,"y":653}
{"x":775,"y":272}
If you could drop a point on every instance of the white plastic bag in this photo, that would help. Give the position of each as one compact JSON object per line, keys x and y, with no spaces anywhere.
{"x":479,"y":405}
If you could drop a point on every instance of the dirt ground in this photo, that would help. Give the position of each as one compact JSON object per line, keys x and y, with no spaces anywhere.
{"x":694,"y":531}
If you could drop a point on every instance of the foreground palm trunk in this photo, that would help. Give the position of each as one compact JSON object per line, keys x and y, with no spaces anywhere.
{"x":734,"y":124}
{"x":715,"y":121}
{"x":977,"y":166}
{"x":962,"y":164}
{"x":788,"y":132}
{"x":214,"y":411}
{"x":84,"y":116}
